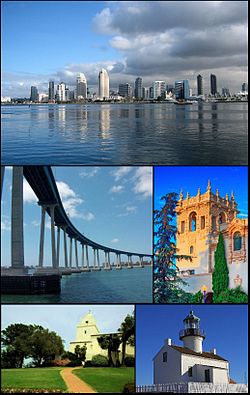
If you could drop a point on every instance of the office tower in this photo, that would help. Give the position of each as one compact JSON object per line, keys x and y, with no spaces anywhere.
{"x":145,"y":93}
{"x":69,"y":95}
{"x":103,"y":84}
{"x":151,"y":92}
{"x":225,"y":92}
{"x":182,"y":89}
{"x":81,"y":87}
{"x":60,"y":93}
{"x":159,"y":88}
{"x":138,"y":88}
{"x":34,"y":94}
{"x":213,"y":83}
{"x":170,"y":88}
{"x":125,"y":90}
{"x":199,"y":85}
{"x":51,"y":91}
{"x":244,"y":87}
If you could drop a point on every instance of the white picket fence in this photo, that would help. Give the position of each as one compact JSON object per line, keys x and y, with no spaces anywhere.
{"x":194,"y":388}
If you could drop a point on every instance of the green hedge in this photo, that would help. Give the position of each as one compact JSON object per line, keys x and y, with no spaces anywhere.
{"x":99,"y":360}
{"x":129,"y":361}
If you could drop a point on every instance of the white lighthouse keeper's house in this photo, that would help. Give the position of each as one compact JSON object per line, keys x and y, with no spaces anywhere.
{"x":189,"y":363}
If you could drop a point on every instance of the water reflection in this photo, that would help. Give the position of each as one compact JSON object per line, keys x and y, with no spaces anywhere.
{"x":104,"y":122}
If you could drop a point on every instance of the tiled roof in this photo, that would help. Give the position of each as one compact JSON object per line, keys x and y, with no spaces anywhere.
{"x":185,"y":350}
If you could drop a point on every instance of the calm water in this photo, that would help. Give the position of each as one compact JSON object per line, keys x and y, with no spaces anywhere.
{"x":114,"y":286}
{"x":118,"y":134}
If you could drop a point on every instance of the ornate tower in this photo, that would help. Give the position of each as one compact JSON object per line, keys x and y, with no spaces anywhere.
{"x":84,"y":332}
{"x":192,"y":336}
{"x":200,"y":218}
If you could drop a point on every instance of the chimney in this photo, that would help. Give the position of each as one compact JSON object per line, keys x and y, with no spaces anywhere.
{"x":168,"y":342}
{"x":213,"y":351}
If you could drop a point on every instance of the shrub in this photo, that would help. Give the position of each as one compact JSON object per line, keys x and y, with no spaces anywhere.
{"x":60,"y":362}
{"x":235,"y":295}
{"x":129,"y":361}
{"x":128,"y":388}
{"x":88,"y":364}
{"x":99,"y":360}
{"x":197,"y":298}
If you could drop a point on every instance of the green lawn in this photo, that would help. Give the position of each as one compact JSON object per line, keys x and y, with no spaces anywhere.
{"x":33,"y":378}
{"x":106,"y":379}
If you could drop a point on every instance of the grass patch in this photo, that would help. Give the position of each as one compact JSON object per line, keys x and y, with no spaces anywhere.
{"x":33,"y":378}
{"x":106,"y":379}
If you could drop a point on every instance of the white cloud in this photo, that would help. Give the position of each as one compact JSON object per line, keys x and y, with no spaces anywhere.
{"x":115,"y":240}
{"x":64,"y":190}
{"x":116,"y":189}
{"x":121,"y":172}
{"x":128,"y":210}
{"x":89,"y":172}
{"x":28,"y":193}
{"x":143,"y":181}
{"x":88,"y":216}
{"x":5,"y":225}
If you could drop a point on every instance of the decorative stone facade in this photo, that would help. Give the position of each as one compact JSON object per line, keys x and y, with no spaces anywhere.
{"x":200,"y":219}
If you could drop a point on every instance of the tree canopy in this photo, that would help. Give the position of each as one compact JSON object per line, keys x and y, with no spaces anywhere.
{"x":220,"y":275}
{"x":127,"y":330}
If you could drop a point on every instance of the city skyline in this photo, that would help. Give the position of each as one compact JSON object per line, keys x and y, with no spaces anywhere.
{"x":102,"y":39}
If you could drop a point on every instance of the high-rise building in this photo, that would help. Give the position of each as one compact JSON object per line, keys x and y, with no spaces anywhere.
{"x":213,"y":83}
{"x":125,"y":90}
{"x":103,"y":84}
{"x":81,"y":87}
{"x":182,"y":89}
{"x":51,"y":91}
{"x":159,"y":88}
{"x":244,"y":87}
{"x":34,"y":94}
{"x":60,"y":92}
{"x":199,"y":85}
{"x":138,"y":88}
{"x":69,"y":95}
{"x":145,"y":93}
{"x":225,"y":92}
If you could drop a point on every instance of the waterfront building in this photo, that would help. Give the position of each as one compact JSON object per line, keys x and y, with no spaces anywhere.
{"x":225,"y":92}
{"x":182,"y":89}
{"x":199,"y":85}
{"x":145,"y":93}
{"x":51,"y":91}
{"x":87,"y":334}
{"x":60,"y":92}
{"x":151,"y":92}
{"x":43,"y":97}
{"x":159,"y":89}
{"x":244,"y":87}
{"x":103,"y":84}
{"x":170,"y":88}
{"x":5,"y":99}
{"x":125,"y":90}
{"x":138,"y":88}
{"x":81,"y":87}
{"x":34,"y":94}
{"x":200,"y":220}
{"x":213,"y":83}
{"x":189,"y":363}
{"x":69,"y":95}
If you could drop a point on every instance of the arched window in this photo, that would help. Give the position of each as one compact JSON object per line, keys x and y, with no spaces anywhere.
{"x":237,"y":241}
{"x":222,"y":218}
{"x":191,"y":249}
{"x":203,"y":222}
{"x":192,"y":222}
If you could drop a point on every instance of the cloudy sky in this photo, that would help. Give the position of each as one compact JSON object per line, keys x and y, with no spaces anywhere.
{"x":107,"y":204}
{"x":165,"y":40}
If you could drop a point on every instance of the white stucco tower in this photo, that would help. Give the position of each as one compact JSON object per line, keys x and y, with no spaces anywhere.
{"x":103,"y":84}
{"x":192,"y":336}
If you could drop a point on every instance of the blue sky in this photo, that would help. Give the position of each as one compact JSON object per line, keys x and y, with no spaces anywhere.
{"x":226,"y":329}
{"x":63,"y":318}
{"x":188,"y":179}
{"x":58,"y":39}
{"x":111,"y":205}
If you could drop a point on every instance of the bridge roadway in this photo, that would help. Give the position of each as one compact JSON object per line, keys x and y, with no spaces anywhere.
{"x":42,"y":181}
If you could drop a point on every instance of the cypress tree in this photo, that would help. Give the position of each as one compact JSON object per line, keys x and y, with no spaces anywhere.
{"x":220,"y":277}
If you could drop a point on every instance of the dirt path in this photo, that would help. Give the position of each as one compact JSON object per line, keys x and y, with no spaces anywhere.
{"x":74,"y":384}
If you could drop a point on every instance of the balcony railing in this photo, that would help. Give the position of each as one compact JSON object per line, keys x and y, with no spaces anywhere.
{"x":191,"y":332}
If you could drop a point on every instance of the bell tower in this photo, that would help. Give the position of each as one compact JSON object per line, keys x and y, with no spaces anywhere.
{"x":192,"y":336}
{"x":200,"y":218}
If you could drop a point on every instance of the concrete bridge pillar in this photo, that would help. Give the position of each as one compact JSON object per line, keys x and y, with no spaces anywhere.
{"x":98,"y":259}
{"x":76,"y":254}
{"x":70,"y":253}
{"x":118,"y":261}
{"x":87,"y":256}
{"x":2,"y":177}
{"x":42,"y":227}
{"x":141,"y":261}
{"x":107,"y":264}
{"x":17,"y":247}
{"x":53,"y":239}
{"x":58,"y":246}
{"x":82,"y":255}
{"x":94,"y":256}
{"x":130,"y":266}
{"x":65,"y":246}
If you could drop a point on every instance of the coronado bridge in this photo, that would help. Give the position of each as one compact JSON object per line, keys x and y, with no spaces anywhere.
{"x":42,"y":182}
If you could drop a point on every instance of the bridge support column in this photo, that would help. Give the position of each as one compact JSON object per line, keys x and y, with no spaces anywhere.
{"x":65,"y":247}
{"x":87,"y":257}
{"x":2,"y":177}
{"x":98,"y":260}
{"x":58,"y":246}
{"x":107,"y":262}
{"x":76,"y":255}
{"x":82,"y":256}
{"x":41,"y":244}
{"x":141,"y":261}
{"x":130,"y":266}
{"x":53,"y":239}
{"x":70,"y":253}
{"x":118,"y":261}
{"x":95,"y":268}
{"x":17,"y":247}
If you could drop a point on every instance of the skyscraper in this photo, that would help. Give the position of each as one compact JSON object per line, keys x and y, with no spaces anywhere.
{"x":60,"y":92}
{"x":125,"y":90}
{"x":159,"y":88}
{"x":244,"y":87}
{"x":199,"y":85}
{"x":33,"y":94}
{"x":138,"y":88}
{"x":81,"y":87}
{"x":182,"y":89}
{"x":103,"y":84}
{"x":51,"y":91}
{"x":213,"y":83}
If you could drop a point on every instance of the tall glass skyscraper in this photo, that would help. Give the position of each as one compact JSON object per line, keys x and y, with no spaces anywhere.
{"x":199,"y":85}
{"x":81,"y":87}
{"x":213,"y":83}
{"x":51,"y":90}
{"x":182,"y":89}
{"x":138,"y":88}
{"x":159,"y":88}
{"x":33,"y":94}
{"x":103,"y":84}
